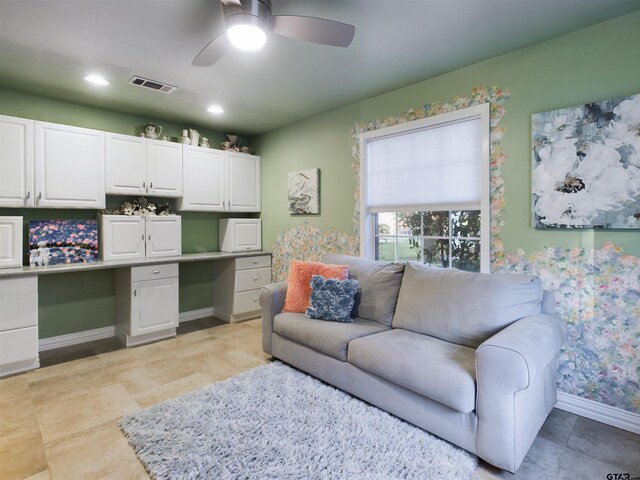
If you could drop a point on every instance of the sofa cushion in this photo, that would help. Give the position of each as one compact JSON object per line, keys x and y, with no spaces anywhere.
{"x":299,"y":282}
{"x":330,"y":338}
{"x":463,"y":307}
{"x":331,"y":299}
{"x":379,"y":284}
{"x":439,"y":370}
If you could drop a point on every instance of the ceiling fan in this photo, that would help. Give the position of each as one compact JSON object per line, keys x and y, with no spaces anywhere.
{"x":249,"y":21}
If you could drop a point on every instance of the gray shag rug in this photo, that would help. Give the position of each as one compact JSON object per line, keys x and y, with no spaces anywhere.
{"x":275,"y":422}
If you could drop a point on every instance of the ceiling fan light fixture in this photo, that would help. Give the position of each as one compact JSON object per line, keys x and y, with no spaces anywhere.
{"x":246,"y":32}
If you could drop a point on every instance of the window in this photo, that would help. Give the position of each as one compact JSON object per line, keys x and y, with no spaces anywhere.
{"x":425,"y":191}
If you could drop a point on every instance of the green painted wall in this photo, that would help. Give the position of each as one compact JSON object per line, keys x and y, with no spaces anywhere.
{"x":81,"y":301}
{"x":596,"y":63}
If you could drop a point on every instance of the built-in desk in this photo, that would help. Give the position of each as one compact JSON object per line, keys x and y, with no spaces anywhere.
{"x":137,"y":309}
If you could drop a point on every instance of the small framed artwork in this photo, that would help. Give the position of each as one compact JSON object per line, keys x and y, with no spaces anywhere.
{"x":586,"y":166}
{"x":62,"y":241}
{"x":303,"y":191}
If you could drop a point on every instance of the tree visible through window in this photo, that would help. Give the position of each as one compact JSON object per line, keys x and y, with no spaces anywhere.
{"x":442,"y":239}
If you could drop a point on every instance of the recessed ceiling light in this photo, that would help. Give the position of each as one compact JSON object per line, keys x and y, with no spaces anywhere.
{"x":97,"y":79}
{"x":217,"y":109}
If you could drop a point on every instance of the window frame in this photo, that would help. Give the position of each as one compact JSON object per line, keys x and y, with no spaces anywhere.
{"x":367,"y":220}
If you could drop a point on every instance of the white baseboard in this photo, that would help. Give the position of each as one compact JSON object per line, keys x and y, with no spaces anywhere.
{"x":75,"y":338}
{"x":195,"y":314}
{"x":107,"y":332}
{"x":600,"y":412}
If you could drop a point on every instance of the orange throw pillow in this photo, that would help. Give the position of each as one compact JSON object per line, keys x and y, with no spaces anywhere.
{"x":299,"y":282}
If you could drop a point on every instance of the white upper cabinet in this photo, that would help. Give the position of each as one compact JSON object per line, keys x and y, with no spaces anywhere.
{"x":164,"y":168}
{"x":69,"y":167}
{"x":219,"y":181}
{"x":243,"y":172}
{"x":203,"y":179}
{"x":139,"y":166}
{"x":16,"y":162}
{"x":126,"y":168}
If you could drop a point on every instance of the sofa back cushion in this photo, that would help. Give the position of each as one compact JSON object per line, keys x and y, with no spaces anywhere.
{"x":462,"y":307}
{"x":378,"y":286}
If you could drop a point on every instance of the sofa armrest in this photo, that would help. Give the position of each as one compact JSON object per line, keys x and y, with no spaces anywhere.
{"x":271,"y":301}
{"x":516,"y":387}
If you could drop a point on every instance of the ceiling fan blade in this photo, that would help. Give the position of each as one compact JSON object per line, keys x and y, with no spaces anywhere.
{"x":212,"y":52}
{"x":232,"y":3}
{"x":312,"y":29}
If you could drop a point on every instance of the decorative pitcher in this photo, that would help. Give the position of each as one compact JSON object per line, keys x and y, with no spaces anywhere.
{"x":152,"y":131}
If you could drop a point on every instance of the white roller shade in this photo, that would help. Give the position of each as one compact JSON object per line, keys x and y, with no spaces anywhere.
{"x":437,"y":167}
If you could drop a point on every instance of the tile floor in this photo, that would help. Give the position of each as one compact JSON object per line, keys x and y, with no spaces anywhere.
{"x":60,"y":421}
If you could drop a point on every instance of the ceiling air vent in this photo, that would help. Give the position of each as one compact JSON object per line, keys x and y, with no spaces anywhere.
{"x":151,"y":84}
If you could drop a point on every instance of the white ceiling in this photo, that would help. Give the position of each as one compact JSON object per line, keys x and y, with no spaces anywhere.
{"x":47,"y":46}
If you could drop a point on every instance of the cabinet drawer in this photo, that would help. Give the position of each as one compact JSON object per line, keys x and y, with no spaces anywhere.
{"x":18,"y":311}
{"x":260,"y":261}
{"x":152,"y":272}
{"x":10,"y":287}
{"x":252,"y":279}
{"x":245,"y":302}
{"x":18,"y":345}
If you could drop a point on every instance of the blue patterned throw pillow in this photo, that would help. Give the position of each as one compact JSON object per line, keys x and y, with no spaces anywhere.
{"x":331,"y":299}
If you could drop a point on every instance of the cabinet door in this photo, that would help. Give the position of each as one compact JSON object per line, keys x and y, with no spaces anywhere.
{"x":10,"y":242}
{"x":154,"y":305}
{"x":164,"y":168}
{"x":164,"y":236}
{"x":16,"y":162}
{"x":69,"y":167}
{"x":203,"y":179}
{"x":243,"y":173}
{"x":126,"y":164}
{"x":121,"y":237}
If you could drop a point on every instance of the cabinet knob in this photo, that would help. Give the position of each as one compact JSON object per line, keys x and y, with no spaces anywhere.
{"x":255,"y":279}
{"x":28,"y":196}
{"x":142,"y":237}
{"x":144,"y":185}
{"x":149,"y":237}
{"x":135,"y":293}
{"x":151,"y":185}
{"x":155,"y":272}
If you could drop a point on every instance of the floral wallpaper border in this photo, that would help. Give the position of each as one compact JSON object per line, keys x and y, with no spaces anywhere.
{"x":597,"y":291}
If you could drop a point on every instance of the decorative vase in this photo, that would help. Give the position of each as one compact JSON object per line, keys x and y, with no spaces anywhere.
{"x":194,"y":136}
{"x":184,"y":139}
{"x":204,"y":142}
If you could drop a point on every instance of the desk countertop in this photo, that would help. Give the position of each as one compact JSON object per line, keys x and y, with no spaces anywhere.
{"x":100,"y":265}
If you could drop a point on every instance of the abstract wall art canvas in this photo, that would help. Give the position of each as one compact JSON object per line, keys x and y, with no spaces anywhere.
{"x":303,"y":191}
{"x":586,"y":166}
{"x":62,"y":241}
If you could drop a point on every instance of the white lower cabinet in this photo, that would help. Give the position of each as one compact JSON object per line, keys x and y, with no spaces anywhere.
{"x":236,"y":286}
{"x":18,"y":325}
{"x":146,"y":303}
{"x":124,"y":237}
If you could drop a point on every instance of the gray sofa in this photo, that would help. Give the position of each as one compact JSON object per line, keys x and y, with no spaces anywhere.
{"x":469,"y":357}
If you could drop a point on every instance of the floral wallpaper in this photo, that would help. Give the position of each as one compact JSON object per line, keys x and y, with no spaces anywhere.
{"x":306,"y":242}
{"x":597,"y":291}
